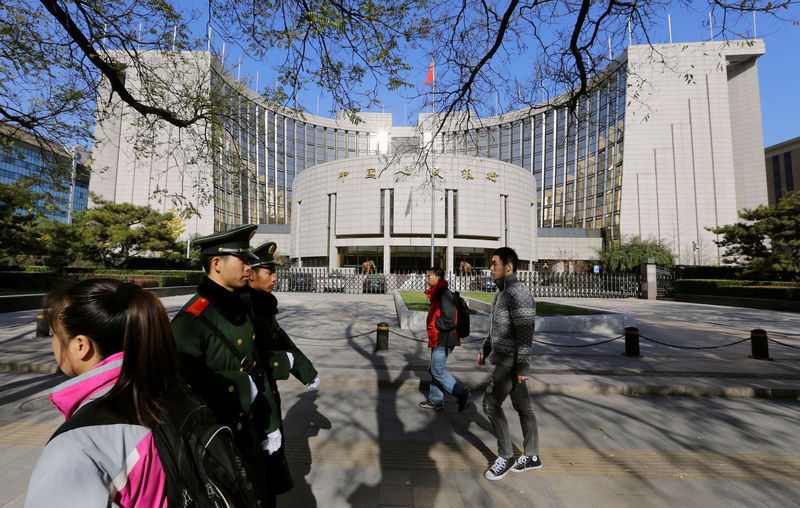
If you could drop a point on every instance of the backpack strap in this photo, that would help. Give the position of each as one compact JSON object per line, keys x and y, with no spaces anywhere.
{"x":244,"y":362}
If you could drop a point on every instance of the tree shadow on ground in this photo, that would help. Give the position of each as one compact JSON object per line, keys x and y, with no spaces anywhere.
{"x":302,"y":422}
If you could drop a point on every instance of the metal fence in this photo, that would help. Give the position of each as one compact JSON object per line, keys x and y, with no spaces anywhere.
{"x":665,"y":280}
{"x":587,"y":285}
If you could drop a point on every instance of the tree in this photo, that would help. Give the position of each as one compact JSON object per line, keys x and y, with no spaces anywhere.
{"x":627,"y":256}
{"x":59,"y":57}
{"x":59,"y":243}
{"x":113,"y":233}
{"x":767,"y":243}
{"x":19,"y":206}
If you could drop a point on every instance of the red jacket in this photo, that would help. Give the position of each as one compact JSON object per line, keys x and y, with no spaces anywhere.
{"x":441,"y":320}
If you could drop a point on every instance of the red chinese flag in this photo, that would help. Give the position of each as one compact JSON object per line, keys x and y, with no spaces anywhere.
{"x":430,"y":74}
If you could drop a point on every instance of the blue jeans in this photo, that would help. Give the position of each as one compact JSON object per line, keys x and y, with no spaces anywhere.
{"x":441,"y":380}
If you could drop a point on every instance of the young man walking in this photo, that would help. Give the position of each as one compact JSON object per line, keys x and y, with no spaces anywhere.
{"x":509,"y":347}
{"x":442,"y":338}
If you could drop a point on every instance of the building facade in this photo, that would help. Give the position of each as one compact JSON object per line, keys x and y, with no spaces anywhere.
{"x":667,"y":143}
{"x":23,"y":156}
{"x":781,"y":172}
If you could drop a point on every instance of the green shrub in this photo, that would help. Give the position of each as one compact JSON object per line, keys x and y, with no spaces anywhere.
{"x":739,"y":288}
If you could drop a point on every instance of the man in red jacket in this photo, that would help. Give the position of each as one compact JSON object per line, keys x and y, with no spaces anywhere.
{"x":442,"y":338}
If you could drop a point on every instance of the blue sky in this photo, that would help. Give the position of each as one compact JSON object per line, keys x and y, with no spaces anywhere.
{"x":779,"y":69}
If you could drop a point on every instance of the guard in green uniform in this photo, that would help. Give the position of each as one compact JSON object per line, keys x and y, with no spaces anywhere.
{"x":281,"y":354}
{"x":219,"y":356}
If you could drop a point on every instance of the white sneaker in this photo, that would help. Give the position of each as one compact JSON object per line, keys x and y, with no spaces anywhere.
{"x":525,"y":463}
{"x":499,"y":469}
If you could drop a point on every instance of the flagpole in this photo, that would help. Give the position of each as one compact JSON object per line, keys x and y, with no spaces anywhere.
{"x":433,"y":163}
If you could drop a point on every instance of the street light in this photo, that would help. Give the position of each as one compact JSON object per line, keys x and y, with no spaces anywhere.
{"x":297,"y":236}
{"x":73,"y":151}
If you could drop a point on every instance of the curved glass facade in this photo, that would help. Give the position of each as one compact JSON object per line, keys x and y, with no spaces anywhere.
{"x":576,"y":158}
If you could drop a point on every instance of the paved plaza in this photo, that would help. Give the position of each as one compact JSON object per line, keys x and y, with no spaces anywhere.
{"x":678,"y":426}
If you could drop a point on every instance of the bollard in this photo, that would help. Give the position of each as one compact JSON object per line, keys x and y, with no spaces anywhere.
{"x":382,"y":337}
{"x":758,"y":345}
{"x":42,"y":330}
{"x":632,"y":342}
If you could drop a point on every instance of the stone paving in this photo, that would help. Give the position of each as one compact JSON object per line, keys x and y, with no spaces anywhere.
{"x":608,"y":435}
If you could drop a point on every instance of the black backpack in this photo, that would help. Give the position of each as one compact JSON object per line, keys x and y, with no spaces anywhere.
{"x":462,"y":315}
{"x":199,"y":455}
{"x":201,"y":462}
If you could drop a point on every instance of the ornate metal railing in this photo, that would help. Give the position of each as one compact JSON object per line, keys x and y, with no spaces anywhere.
{"x":586,"y":285}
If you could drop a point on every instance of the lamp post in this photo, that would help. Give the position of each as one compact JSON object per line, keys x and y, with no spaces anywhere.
{"x":74,"y":154}
{"x":299,"y":259}
{"x":694,"y":252}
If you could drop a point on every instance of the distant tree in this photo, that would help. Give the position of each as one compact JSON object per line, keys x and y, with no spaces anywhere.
{"x":19,"y":208}
{"x":767,"y":244}
{"x":627,"y":256}
{"x":59,"y":243}
{"x":113,"y":233}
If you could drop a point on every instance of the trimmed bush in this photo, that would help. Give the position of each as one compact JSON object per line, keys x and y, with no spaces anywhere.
{"x":41,"y":282}
{"x":739,"y":288}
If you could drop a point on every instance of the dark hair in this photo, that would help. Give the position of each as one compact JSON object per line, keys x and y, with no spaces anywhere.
{"x":205,"y":261}
{"x":437,"y":271}
{"x":507,"y":255}
{"x":120,"y":316}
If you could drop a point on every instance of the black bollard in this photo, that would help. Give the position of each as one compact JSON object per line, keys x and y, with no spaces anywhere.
{"x":42,"y":330}
{"x":758,"y":345}
{"x":632,"y":342}
{"x":382,"y":337}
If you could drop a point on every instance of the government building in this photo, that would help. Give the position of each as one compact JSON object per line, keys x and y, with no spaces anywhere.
{"x":668,"y":143}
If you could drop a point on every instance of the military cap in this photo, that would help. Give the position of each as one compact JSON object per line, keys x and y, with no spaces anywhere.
{"x":234,"y":241}
{"x":266,"y":256}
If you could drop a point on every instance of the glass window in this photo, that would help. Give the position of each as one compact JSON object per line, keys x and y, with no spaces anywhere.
{"x":776,"y":177}
{"x":340,"y":145}
{"x":526,"y":144}
{"x":787,"y":169}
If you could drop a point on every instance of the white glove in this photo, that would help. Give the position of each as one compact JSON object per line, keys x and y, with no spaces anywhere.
{"x":253,"y":389}
{"x":313,"y":385}
{"x":290,"y":356}
{"x":273,"y":442}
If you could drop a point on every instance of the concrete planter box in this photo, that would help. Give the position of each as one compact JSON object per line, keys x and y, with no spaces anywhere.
{"x":604,"y":324}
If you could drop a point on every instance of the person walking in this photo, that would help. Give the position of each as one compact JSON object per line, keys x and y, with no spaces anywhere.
{"x":281,"y":356}
{"x":113,"y":340}
{"x":442,"y":339}
{"x":509,"y":347}
{"x":219,"y":356}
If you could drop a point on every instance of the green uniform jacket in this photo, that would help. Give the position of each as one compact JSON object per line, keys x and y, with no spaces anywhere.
{"x":277,"y":342}
{"x":215,"y":372}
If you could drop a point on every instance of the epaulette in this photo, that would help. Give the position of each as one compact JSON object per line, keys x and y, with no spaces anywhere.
{"x":198,"y":307}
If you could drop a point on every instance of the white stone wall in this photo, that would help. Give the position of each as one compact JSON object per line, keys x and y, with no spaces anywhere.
{"x":549,"y":247}
{"x":683,"y":168}
{"x":170,"y":167}
{"x":353,"y":197}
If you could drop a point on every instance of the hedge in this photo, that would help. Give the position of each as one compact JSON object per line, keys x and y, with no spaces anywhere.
{"x":739,"y":288}
{"x":38,"y":282}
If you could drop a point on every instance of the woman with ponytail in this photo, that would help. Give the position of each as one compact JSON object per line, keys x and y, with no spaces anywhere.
{"x":115,"y":342}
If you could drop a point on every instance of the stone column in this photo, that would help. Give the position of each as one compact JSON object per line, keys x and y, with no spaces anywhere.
{"x":649,"y":290}
{"x":387,"y":248}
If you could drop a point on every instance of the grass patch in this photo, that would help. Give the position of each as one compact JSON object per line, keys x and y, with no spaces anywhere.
{"x":542,"y":308}
{"x":416,"y":300}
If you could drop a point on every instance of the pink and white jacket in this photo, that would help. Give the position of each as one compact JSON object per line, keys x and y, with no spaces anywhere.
{"x":109,"y":459}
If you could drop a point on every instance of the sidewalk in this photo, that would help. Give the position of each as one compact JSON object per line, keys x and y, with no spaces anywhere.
{"x":361,"y":440}
{"x":321,"y":324}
